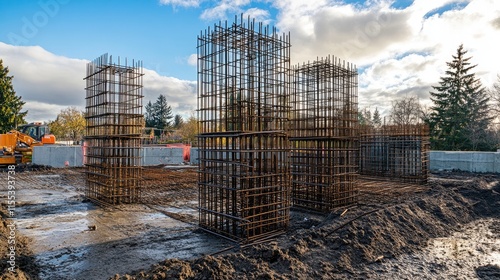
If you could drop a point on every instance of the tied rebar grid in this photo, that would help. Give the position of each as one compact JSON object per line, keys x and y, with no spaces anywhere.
{"x":323,"y":134}
{"x":395,"y":152}
{"x":113,"y":133}
{"x":243,"y":87}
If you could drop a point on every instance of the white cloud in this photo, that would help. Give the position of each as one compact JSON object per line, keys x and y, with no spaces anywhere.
{"x":258,"y":14}
{"x":182,"y":3}
{"x":180,"y":94}
{"x":400,"y":51}
{"x":396,"y":78}
{"x":356,"y":33}
{"x":49,"y":83}
{"x":40,"y":111}
{"x":193,"y":59}
{"x":46,"y":82}
{"x":223,"y":8}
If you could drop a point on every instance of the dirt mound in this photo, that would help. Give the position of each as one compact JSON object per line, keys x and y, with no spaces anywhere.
{"x":339,"y":246}
{"x":26,"y":268}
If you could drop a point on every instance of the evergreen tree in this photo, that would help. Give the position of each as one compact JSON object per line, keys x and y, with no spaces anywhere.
{"x":178,"y":121}
{"x":377,"y":120}
{"x":10,"y":104}
{"x":368,"y":117}
{"x":149,"y":119}
{"x":361,"y":118}
{"x":459,"y":116}
{"x":158,"y":114}
{"x":163,"y":113}
{"x":365,"y":117}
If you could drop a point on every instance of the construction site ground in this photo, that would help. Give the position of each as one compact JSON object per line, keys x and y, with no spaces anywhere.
{"x":449,"y":229}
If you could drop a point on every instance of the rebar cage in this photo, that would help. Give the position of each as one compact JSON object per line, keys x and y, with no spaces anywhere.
{"x":395,"y":152}
{"x":243,"y":91}
{"x":323,"y":134}
{"x":114,"y":123}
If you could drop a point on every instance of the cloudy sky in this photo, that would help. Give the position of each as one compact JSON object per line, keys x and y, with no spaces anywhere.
{"x":400,"y":47}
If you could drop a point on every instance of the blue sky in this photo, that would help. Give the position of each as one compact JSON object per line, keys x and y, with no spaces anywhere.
{"x":400,"y":47}
{"x":161,"y":36}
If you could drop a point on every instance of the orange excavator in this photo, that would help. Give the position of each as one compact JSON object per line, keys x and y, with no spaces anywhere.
{"x":17,"y":146}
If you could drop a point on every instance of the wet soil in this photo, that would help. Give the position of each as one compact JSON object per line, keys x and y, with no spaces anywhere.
{"x":429,"y":234}
{"x":446,"y":230}
{"x":26,"y":267}
{"x":71,"y":238}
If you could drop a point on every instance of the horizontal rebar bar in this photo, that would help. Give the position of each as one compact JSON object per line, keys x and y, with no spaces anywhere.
{"x":243,"y":91}
{"x":323,"y":134}
{"x":113,"y":133}
{"x":395,"y":152}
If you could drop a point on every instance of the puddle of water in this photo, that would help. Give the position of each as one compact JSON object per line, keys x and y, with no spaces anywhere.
{"x":490,"y":185}
{"x":50,"y":176}
{"x":454,"y":257}
{"x":181,"y":210}
{"x":477,"y":241}
{"x":42,"y":196}
{"x":129,"y":238}
{"x":153,"y":216}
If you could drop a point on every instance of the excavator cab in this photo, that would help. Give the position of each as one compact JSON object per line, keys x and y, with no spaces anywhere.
{"x":39,"y":132}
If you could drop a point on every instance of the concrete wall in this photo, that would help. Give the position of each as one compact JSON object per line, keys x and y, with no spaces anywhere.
{"x":161,"y":155}
{"x":56,"y":156}
{"x":193,"y":160}
{"x":480,"y":162}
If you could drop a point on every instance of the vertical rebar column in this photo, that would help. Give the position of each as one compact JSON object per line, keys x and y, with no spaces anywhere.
{"x":323,"y":134}
{"x":243,"y":88}
{"x":114,"y":123}
{"x":395,"y":152}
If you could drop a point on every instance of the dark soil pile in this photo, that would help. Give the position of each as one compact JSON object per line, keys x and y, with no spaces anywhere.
{"x":26,"y":268}
{"x":339,"y":246}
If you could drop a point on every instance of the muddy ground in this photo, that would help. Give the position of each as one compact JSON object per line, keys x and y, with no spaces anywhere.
{"x":447,"y":230}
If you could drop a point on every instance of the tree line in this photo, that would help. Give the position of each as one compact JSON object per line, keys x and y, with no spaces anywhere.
{"x":70,"y":122}
{"x":11,"y":114}
{"x":463,"y":115}
{"x":161,"y":122}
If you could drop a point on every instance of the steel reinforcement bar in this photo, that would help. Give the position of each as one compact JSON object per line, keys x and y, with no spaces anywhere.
{"x":114,"y":124}
{"x":395,"y":152}
{"x":243,"y":91}
{"x":323,"y":134}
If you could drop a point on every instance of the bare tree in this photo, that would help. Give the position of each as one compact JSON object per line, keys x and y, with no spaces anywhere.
{"x":365,"y":117}
{"x":377,"y":120}
{"x":425,"y":113}
{"x":406,"y":111}
{"x":494,"y":93}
